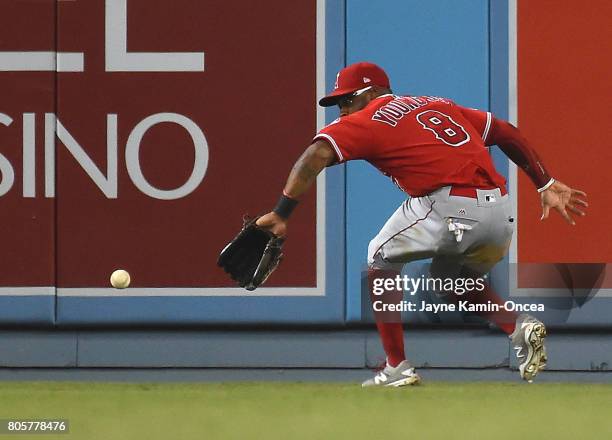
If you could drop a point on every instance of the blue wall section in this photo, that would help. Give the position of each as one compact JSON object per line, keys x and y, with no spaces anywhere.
{"x":25,"y":309}
{"x":439,"y":48}
{"x":181,"y":311}
{"x":499,"y":107}
{"x":427,"y":48}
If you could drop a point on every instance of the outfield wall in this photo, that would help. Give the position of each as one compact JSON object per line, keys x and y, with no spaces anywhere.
{"x":135,"y":135}
{"x":467,"y":348}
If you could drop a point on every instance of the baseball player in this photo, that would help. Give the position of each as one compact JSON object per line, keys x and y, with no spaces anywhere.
{"x":458,"y":211}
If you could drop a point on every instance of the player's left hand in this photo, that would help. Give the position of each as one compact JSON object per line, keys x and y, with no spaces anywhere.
{"x":274,"y":223}
{"x":563,"y":198}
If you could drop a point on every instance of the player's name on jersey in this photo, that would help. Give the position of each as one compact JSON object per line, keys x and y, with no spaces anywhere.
{"x":393,"y":111}
{"x":461,"y":306}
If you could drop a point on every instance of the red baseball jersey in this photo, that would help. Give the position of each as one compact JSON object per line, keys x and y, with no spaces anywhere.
{"x":423,"y":143}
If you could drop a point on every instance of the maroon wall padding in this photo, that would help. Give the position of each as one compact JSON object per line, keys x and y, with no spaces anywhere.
{"x":27,"y":232}
{"x":255,"y":102}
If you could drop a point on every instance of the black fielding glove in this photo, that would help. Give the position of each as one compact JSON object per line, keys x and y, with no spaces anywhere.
{"x":252,"y":255}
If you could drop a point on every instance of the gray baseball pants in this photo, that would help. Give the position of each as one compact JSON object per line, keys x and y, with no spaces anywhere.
{"x":457,"y":232}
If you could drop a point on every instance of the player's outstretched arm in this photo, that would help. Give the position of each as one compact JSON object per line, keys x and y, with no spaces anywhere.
{"x":303,"y":174}
{"x":563,"y":198}
{"x":554,"y":194}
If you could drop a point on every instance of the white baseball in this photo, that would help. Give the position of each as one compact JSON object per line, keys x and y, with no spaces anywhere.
{"x":120,"y":279}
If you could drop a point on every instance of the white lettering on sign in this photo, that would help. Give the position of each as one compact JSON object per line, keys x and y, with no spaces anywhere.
{"x":29,"y":155}
{"x":8,"y":174}
{"x":200,"y":164}
{"x":107,"y":183}
{"x":41,"y":61}
{"x":118,"y":59}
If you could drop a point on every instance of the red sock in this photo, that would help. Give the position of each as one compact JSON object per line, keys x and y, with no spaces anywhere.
{"x":504,"y":319}
{"x":392,"y":337}
{"x":389,"y":324}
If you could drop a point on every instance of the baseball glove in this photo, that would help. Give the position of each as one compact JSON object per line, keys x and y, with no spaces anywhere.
{"x":252,"y":255}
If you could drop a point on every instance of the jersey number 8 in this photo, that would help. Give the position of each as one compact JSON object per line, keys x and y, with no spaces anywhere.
{"x":443,"y":126}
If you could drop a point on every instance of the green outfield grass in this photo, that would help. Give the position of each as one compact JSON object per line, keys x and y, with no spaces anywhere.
{"x":314,"y":411}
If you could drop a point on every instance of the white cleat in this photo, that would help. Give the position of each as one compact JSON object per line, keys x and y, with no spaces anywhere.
{"x":399,"y":376}
{"x":528,"y":342}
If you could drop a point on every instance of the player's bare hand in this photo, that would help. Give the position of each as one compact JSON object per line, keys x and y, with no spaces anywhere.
{"x":563,"y":198}
{"x":273,"y":223}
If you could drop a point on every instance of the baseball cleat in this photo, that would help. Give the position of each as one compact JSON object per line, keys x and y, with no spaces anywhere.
{"x":399,"y":376}
{"x":528,"y":342}
{"x":543,"y":359}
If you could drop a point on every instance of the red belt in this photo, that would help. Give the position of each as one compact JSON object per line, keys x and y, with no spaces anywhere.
{"x":467,"y":191}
